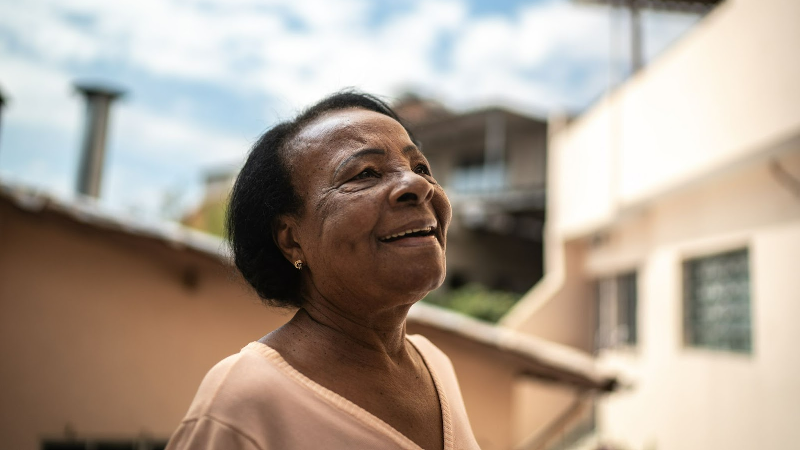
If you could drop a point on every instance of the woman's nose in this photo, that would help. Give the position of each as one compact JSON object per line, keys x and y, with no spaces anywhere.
{"x":412,"y":188}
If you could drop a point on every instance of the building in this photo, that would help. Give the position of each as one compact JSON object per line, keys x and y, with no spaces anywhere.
{"x":673,"y":239}
{"x":492,"y":163}
{"x":108,"y":325}
{"x":209,"y":215}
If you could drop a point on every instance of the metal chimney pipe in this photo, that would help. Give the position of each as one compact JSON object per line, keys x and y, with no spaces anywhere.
{"x":98,"y":103}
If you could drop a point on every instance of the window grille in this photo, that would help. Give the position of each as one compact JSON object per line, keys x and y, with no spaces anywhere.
{"x":717,"y":302}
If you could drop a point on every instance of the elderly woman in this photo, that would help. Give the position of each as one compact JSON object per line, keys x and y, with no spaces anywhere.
{"x":337,"y":214}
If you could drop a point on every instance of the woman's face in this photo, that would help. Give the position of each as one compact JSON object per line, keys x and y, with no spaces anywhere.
{"x":374,"y":220}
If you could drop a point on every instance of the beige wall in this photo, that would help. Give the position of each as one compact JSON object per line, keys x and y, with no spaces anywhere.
{"x":559,"y":308}
{"x":98,"y":331}
{"x":486,"y":384}
{"x":536,"y":405}
{"x":567,"y":316}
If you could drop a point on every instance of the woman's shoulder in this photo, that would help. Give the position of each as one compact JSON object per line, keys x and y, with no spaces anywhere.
{"x":233,"y":382}
{"x":233,"y":400}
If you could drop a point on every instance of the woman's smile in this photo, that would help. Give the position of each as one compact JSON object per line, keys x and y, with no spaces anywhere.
{"x":411,"y":232}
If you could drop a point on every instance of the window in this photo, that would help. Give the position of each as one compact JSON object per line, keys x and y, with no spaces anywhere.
{"x":717,"y":301}
{"x":477,"y":177}
{"x":616,"y":311}
{"x":138,"y":444}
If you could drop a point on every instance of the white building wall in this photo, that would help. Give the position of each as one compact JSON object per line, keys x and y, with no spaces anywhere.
{"x":722,"y":94}
{"x":684,"y":397}
{"x":680,"y":163}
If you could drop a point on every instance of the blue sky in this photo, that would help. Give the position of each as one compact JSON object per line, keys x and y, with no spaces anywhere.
{"x":204,"y":78}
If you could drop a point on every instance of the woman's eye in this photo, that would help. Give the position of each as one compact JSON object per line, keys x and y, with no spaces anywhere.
{"x":422,"y":169}
{"x":367,"y":173}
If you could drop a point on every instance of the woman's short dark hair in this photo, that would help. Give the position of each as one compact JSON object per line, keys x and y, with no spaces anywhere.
{"x":263,"y":191}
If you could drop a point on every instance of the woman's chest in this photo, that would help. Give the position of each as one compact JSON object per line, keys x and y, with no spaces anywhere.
{"x":410,"y":406}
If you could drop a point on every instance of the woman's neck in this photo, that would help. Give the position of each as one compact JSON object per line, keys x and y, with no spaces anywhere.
{"x":366,"y":337}
{"x":322,"y":329}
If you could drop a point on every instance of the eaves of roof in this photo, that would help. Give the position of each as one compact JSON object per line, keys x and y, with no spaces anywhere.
{"x":88,"y":212}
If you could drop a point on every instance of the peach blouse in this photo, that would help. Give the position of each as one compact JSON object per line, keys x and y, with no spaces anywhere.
{"x":255,"y":400}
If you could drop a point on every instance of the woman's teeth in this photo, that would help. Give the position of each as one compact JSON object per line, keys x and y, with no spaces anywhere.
{"x":425,"y":231}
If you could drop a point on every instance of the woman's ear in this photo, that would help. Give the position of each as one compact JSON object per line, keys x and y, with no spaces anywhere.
{"x":285,"y":234}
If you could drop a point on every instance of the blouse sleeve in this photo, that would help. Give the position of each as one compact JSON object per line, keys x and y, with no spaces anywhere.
{"x":207,"y":433}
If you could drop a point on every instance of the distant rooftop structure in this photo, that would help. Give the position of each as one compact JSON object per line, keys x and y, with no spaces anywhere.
{"x":99,"y":89}
{"x":414,"y":109}
{"x":491,"y":162}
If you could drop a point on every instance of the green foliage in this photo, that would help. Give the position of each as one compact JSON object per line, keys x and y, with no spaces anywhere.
{"x":475,"y":300}
{"x":214,"y":216}
{"x":209,"y":217}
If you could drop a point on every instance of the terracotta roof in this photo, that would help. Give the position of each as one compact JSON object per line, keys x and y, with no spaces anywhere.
{"x":532,"y":356}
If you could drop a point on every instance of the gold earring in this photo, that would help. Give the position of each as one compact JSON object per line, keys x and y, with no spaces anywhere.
{"x":298,"y":264}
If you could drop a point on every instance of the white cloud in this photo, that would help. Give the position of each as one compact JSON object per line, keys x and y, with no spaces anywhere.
{"x":38,"y":94}
{"x":334,"y":46}
{"x":251,"y":45}
{"x":303,"y":66}
{"x":579,"y":30}
{"x":45,"y":98}
{"x":173,"y":139}
{"x":493,"y":57}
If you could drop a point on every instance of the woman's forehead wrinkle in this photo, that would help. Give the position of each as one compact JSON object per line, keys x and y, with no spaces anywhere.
{"x":314,"y":149}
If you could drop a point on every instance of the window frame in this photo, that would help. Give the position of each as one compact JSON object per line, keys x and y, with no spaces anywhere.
{"x":688,"y":324}
{"x":622,"y":306}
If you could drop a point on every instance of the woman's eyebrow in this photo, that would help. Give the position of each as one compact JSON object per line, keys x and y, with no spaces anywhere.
{"x":358,"y":154}
{"x":412,"y":149}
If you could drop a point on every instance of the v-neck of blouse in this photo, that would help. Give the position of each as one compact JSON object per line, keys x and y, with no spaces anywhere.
{"x":356,"y":411}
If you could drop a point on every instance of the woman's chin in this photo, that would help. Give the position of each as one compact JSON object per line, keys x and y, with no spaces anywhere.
{"x":417,"y":279}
